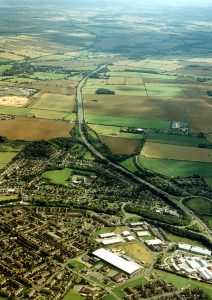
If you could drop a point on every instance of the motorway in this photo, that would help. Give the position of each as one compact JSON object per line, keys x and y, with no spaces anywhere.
{"x":81,"y":123}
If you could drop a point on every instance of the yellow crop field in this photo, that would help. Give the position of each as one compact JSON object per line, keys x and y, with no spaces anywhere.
{"x":175,"y":152}
{"x":55,"y":102}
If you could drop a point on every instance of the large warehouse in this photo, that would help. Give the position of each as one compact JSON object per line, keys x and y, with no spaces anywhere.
{"x":129,"y":267}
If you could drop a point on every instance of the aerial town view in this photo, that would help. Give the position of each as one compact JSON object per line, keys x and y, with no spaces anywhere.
{"x":105,"y":150}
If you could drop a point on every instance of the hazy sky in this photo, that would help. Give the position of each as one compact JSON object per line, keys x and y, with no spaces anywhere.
{"x":172,"y":2}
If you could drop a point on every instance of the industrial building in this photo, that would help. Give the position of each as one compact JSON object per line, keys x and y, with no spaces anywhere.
{"x":129,"y":267}
{"x":194,"y":249}
{"x":107,"y":235}
{"x":111,"y":241}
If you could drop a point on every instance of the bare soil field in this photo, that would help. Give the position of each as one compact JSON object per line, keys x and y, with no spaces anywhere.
{"x":159,"y":64}
{"x":163,"y":108}
{"x":31,"y":129}
{"x":136,"y":250}
{"x":63,"y":87}
{"x":132,"y":81}
{"x":55,"y":102}
{"x":175,"y":152}
{"x":116,"y":80}
{"x":120,"y":145}
{"x":16,"y":101}
{"x":11,"y":56}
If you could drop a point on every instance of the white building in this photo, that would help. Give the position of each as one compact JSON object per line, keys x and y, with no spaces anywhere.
{"x":155,"y":242}
{"x":129,"y":267}
{"x":136,"y":224}
{"x":143,"y":233}
{"x":107,"y":235}
{"x":184,"y":247}
{"x":205,"y":273}
{"x":125,"y":233}
{"x":130,"y":238}
{"x":114,"y":240}
{"x":201,"y":251}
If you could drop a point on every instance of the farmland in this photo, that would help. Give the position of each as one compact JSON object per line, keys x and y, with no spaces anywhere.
{"x":126,"y":121}
{"x":6,"y":157}
{"x":174,"y":168}
{"x":176,"y":152}
{"x":37,"y":129}
{"x":200,"y":205}
{"x":120,"y":145}
{"x":183,"y":140}
{"x":54,"y":102}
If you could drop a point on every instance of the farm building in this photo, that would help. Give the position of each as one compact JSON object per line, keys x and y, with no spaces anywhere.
{"x":129,"y":267}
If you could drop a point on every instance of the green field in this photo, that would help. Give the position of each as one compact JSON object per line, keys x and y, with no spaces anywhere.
{"x":6,"y":157}
{"x":164,"y":90}
{"x":5,"y":60}
{"x":179,"y":239}
{"x":141,"y":74}
{"x":128,"y":122}
{"x":174,"y":168}
{"x":208,"y":219}
{"x":48,"y":114}
{"x":200,"y":205}
{"x":131,"y":90}
{"x":177,"y":139}
{"x":48,"y":76}
{"x":181,"y":282}
{"x":76,"y":265}
{"x":129,"y":165}
{"x":4,"y":68}
{"x":18,"y":111}
{"x":58,"y":176}
{"x":119,"y":291}
{"x":2,"y":198}
{"x":72,"y":295}
{"x":209,"y":181}
{"x":105,"y":130}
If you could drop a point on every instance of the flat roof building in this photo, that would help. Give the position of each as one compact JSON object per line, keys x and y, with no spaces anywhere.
{"x":154,"y":242}
{"x":199,"y":250}
{"x":114,"y":240}
{"x":125,"y":233}
{"x":107,"y":235}
{"x":143,"y":233}
{"x":184,"y":247}
{"x":130,"y":238}
{"x":135,"y":224}
{"x":129,"y":267}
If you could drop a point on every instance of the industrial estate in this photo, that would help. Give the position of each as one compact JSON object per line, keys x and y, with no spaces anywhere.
{"x":105,"y":150}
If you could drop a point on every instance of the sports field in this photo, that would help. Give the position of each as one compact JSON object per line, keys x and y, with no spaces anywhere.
{"x":58,"y":176}
{"x":176,"y":152}
{"x":54,"y":102}
{"x":31,"y":129}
